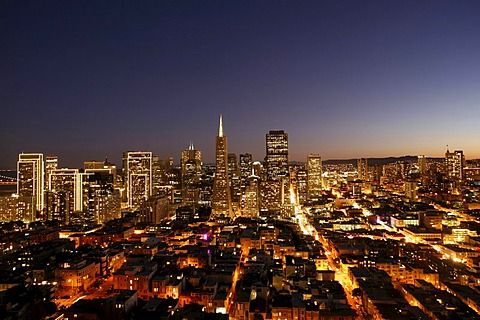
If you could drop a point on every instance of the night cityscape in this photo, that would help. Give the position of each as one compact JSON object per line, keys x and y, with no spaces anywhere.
{"x":275,"y":160}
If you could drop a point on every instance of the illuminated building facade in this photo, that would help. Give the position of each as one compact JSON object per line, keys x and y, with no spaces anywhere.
{"x":277,"y":173}
{"x":221,"y":198}
{"x":103,"y":197}
{"x":362,"y":168}
{"x":162,"y":170}
{"x":377,"y":172}
{"x":401,"y":168}
{"x":276,"y":159}
{"x":302,"y":184}
{"x":191,"y":161}
{"x":137,"y":172}
{"x":51,"y":163}
{"x":68,"y":193}
{"x":103,"y":167}
{"x":30,"y":186}
{"x":454,"y":163}
{"x":234,"y":178}
{"x":422,"y":164}
{"x":411,"y":188}
{"x":314,"y":176}
{"x":271,"y":195}
{"x":155,"y":209}
{"x":252,"y":198}
{"x":191,"y":171}
{"x":8,"y":208}
{"x":245,"y":164}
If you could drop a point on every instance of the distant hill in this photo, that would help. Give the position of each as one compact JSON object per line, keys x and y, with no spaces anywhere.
{"x":379,"y":161}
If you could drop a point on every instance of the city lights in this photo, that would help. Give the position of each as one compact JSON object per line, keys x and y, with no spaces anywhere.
{"x":243,"y":160}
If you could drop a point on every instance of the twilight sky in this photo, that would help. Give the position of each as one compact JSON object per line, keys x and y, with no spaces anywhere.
{"x":345,"y":79}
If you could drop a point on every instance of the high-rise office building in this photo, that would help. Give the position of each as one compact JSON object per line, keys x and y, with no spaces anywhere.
{"x":51,"y":163}
{"x":411,"y":188}
{"x":68,"y":193}
{"x":245,"y":164}
{"x":137,"y":172}
{"x":191,"y":171}
{"x":377,"y":171}
{"x":104,"y":201}
{"x":251,"y":207}
{"x":454,"y":163}
{"x":221,"y":198}
{"x":271,"y":195}
{"x":30,"y":186}
{"x":234,"y":179}
{"x":301,"y":179}
{"x":362,"y":168}
{"x":277,"y":171}
{"x":103,"y":167}
{"x":157,"y":175}
{"x":314,"y":176}
{"x":191,"y":161}
{"x":155,"y":209}
{"x":232,"y":163}
{"x":422,"y":164}
{"x":276,"y":160}
{"x":401,"y":168}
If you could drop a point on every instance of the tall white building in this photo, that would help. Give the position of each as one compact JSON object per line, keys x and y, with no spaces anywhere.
{"x":51,"y":163}
{"x":30,"y":177}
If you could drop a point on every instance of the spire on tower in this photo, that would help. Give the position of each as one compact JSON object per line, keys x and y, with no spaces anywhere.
{"x":220,"y":127}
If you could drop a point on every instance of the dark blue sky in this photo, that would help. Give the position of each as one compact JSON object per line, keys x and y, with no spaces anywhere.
{"x":345,"y":79}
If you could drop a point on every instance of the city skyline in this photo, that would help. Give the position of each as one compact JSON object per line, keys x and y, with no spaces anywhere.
{"x":79,"y":162}
{"x":345,"y":80}
{"x":249,"y":160}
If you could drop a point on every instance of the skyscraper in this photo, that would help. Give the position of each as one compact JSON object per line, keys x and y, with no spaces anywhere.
{"x":103,"y":167}
{"x":362,"y":168}
{"x":245,"y":164}
{"x":221,"y":198}
{"x":314,"y":176}
{"x":51,"y":163}
{"x":234,"y":179}
{"x":191,"y":161}
{"x":276,"y":159}
{"x":271,"y":195}
{"x":422,"y":164}
{"x":455,"y":163}
{"x":67,"y":193}
{"x":30,"y":175}
{"x":104,"y":201}
{"x":137,"y":171}
{"x":411,"y":188}
{"x":275,"y":188}
{"x":301,"y":179}
{"x":252,"y":204}
{"x":191,"y":171}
